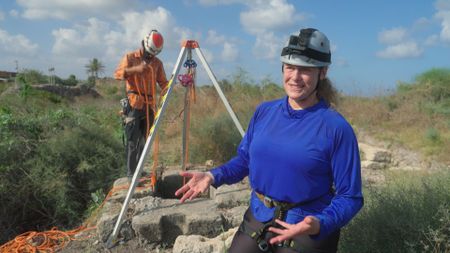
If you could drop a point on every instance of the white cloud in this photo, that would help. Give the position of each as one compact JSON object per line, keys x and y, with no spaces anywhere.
{"x":16,"y":44}
{"x":443,"y":14}
{"x":65,"y":9}
{"x":262,"y":19}
{"x":421,"y":24}
{"x":263,"y":16}
{"x":432,"y":40}
{"x":219,"y":2}
{"x":402,"y":50}
{"x":109,"y":41}
{"x":136,"y":24}
{"x":83,"y":40}
{"x":214,"y":38}
{"x":230,"y":52}
{"x":14,"y":13}
{"x":209,"y":57}
{"x":442,"y":4}
{"x":392,"y":36}
{"x":97,"y":36}
{"x":267,"y":46}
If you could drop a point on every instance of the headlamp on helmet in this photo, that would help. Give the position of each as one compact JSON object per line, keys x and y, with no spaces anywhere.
{"x":310,"y":48}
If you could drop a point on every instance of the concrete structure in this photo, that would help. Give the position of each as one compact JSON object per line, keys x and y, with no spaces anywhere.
{"x":6,"y":75}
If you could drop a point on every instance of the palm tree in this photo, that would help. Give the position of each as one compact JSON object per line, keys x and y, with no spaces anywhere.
{"x":94,"y":68}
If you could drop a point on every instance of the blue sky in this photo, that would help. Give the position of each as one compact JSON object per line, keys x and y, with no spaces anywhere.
{"x":375,"y":44}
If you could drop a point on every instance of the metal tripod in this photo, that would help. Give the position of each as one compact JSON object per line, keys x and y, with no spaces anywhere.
{"x":186,"y":48}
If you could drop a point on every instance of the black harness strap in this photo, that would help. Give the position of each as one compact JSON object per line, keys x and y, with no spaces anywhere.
{"x":137,"y":93}
{"x":281,"y":209}
{"x":258,"y":235}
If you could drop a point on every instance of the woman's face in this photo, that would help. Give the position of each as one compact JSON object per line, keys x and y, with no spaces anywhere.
{"x":300,"y":82}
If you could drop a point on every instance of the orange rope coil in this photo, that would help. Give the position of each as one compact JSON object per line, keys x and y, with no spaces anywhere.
{"x":54,"y":239}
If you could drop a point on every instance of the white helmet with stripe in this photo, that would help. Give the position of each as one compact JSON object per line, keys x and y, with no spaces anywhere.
{"x":153,"y":42}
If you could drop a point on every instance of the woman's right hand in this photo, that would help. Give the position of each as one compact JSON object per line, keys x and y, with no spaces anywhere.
{"x":199,"y":183}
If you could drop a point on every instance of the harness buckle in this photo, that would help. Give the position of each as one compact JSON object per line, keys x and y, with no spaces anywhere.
{"x":263,"y":246}
{"x":268,"y":202}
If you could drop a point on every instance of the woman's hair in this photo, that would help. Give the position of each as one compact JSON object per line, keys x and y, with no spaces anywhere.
{"x":327,"y":92}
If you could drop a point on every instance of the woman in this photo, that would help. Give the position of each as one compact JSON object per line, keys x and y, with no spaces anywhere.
{"x":301,"y":157}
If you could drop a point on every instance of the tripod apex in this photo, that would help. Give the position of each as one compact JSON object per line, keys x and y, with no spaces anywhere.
{"x":190,"y":44}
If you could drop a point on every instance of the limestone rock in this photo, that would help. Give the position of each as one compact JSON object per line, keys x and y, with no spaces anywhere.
{"x":201,"y":244}
{"x":229,"y":196}
{"x":233,"y":216}
{"x":371,"y":165}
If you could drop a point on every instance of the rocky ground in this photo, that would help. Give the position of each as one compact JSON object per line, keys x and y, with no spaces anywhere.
{"x":157,"y":222}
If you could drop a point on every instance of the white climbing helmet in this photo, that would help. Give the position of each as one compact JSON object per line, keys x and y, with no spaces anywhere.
{"x":310,"y":48}
{"x":153,"y":42}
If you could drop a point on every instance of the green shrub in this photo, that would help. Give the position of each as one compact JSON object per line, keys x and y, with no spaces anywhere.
{"x":437,"y":239}
{"x":91,"y":82}
{"x":52,"y":160}
{"x":432,"y":135}
{"x":31,"y":76}
{"x":398,"y":217}
{"x":4,"y":86}
{"x":214,"y":138}
{"x":438,"y":82}
{"x":403,"y":87}
{"x":70,"y":81}
{"x":390,"y":103}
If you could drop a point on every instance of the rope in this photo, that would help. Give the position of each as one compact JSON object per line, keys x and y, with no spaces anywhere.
{"x":151,"y":105}
{"x":54,"y":239}
{"x":188,"y":81}
{"x":48,"y":241}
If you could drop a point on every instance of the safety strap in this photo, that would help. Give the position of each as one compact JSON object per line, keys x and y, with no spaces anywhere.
{"x":308,"y":52}
{"x":257,"y":235}
{"x":280,"y":212}
{"x":263,"y":245}
{"x":137,"y":93}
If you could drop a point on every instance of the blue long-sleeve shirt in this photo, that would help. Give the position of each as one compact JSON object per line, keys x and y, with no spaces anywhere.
{"x":308,"y":156}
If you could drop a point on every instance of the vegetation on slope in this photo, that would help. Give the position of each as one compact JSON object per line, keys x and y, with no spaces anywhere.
{"x":58,"y":156}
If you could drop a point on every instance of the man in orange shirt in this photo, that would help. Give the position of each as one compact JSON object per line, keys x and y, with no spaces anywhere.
{"x":141,"y":69}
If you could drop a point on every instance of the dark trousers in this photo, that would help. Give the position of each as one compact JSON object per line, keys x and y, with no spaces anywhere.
{"x":243,"y":243}
{"x":135,"y":132}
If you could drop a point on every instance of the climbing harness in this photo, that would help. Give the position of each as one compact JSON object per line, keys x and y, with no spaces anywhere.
{"x":280,"y":212}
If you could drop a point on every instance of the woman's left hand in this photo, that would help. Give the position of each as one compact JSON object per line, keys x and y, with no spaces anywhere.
{"x":308,"y":226}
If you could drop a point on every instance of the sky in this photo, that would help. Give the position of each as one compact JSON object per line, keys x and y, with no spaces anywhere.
{"x":374,"y":44}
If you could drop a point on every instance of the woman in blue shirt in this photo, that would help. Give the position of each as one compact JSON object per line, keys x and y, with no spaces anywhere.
{"x":301,"y":157}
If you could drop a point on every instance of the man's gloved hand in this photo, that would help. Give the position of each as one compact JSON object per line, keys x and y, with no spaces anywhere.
{"x":138,"y":69}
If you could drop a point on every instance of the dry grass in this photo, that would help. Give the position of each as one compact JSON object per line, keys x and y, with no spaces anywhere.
{"x":401,"y":119}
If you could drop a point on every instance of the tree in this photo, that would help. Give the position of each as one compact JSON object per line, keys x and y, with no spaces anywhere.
{"x":94,"y":68}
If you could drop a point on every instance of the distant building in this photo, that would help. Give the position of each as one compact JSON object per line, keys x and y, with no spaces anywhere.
{"x":6,"y":75}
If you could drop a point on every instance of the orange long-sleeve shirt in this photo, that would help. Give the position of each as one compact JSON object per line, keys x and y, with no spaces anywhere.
{"x":140,"y":85}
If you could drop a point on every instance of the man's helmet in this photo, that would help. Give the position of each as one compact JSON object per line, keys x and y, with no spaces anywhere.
{"x":310,"y":48}
{"x":153,"y":42}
